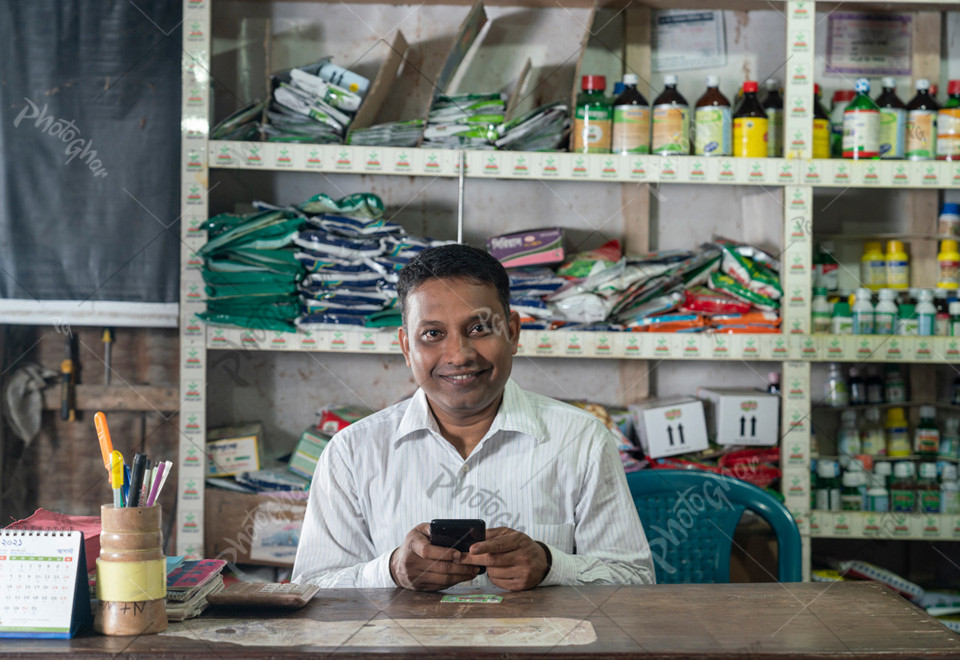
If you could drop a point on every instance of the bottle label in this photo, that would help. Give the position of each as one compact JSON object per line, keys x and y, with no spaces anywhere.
{"x":927,"y":441}
{"x":861,"y":133}
{"x":929,"y":501}
{"x":774,"y":132}
{"x":883,"y":323}
{"x":821,"y":138}
{"x":591,"y":130}
{"x":903,"y":501}
{"x":671,"y":129}
{"x":823,"y":499}
{"x":821,"y":322}
{"x":898,"y":441}
{"x":921,"y":134}
{"x":898,"y":273}
{"x":893,"y":131}
{"x":949,"y":272}
{"x":863,"y":323}
{"x":948,"y":133}
{"x":750,"y":137}
{"x":842,"y":325}
{"x":631,"y":129}
{"x":880,"y":503}
{"x":874,"y":443}
{"x":712,"y":131}
{"x":873,"y":272}
{"x":851,"y":502}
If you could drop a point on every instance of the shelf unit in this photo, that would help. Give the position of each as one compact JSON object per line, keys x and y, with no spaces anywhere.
{"x":796,"y":349}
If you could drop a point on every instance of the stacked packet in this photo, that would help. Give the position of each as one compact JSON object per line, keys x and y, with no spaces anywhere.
{"x":464,"y":121}
{"x":392,"y":134}
{"x":543,"y":129}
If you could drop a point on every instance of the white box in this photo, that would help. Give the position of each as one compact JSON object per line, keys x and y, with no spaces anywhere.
{"x":668,"y":427}
{"x":741,"y":416}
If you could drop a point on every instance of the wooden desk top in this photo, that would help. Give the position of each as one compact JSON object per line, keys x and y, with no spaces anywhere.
{"x":753,"y":620}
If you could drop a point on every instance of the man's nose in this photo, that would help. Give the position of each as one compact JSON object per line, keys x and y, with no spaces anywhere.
{"x":461,"y":350}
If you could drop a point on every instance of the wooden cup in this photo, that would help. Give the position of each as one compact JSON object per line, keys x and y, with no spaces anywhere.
{"x":131,"y":550}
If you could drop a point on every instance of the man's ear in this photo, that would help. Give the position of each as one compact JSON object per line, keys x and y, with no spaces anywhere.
{"x":513,"y":325}
{"x":404,"y":344}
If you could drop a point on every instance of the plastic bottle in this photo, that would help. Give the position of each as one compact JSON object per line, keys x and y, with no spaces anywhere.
{"x":828,"y":486}
{"x":841,"y":99}
{"x":344,"y":78}
{"x":885,"y":313}
{"x":773,"y":106}
{"x":926,"y":313}
{"x":898,"y":265}
{"x":922,"y":124}
{"x":950,"y":439}
{"x":873,"y":440}
{"x":884,"y":470}
{"x":750,"y":125}
{"x":820,"y":312}
{"x":713,"y":122}
{"x":949,"y":490}
{"x":928,"y":490}
{"x":926,"y":437}
{"x":954,"y":308}
{"x":857,"y":387}
{"x":631,"y":119}
{"x":835,"y":392}
{"x":893,"y":121}
{"x":949,"y":265}
{"x":878,"y":497}
{"x":898,"y":433}
{"x":821,"y":126}
{"x":894,"y":386}
{"x":874,"y":389}
{"x":873,"y":266}
{"x":948,"y":224}
{"x":941,"y":326}
{"x":863,"y":313}
{"x":848,"y":438}
{"x":841,"y":323}
{"x":907,"y":323}
{"x":773,"y":383}
{"x":851,"y":495}
{"x":593,"y":119}
{"x":903,"y":488}
{"x":861,"y":125}
{"x":671,"y":121}
{"x":826,"y":267}
{"x":948,"y":124}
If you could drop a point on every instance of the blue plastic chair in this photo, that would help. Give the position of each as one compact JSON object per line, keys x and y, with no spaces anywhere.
{"x":690,"y":516}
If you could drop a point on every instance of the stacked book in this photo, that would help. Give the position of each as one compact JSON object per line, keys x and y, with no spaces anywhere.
{"x":189,"y":585}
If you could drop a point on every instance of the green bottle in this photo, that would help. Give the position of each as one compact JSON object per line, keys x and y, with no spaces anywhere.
{"x":861,"y":125}
{"x":593,"y":122}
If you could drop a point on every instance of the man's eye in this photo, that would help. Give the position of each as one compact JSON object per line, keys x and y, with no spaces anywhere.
{"x":431,"y":334}
{"x":480,"y":328}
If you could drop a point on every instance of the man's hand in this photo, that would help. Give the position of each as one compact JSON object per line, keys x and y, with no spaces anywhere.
{"x":418,"y":565}
{"x":514,"y":561}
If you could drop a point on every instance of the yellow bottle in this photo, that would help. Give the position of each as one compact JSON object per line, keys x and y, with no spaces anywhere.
{"x":949,"y":262}
{"x":898,"y":433}
{"x":873,"y":266}
{"x":898,"y":266}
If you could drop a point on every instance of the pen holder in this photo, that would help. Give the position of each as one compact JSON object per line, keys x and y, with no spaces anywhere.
{"x":131,"y":572}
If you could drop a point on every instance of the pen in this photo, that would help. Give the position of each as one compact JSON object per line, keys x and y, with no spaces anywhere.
{"x":106,"y":445}
{"x":145,"y":488}
{"x":126,"y":484}
{"x":136,"y":479}
{"x":157,"y":480}
{"x":116,"y":477}
{"x":167,"y":466}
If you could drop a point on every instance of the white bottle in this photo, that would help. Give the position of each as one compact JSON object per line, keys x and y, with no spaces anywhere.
{"x":885,"y":313}
{"x":926,"y":313}
{"x":863,"y":313}
{"x":848,"y":438}
{"x":820,"y":312}
{"x":878,"y":497}
{"x":949,"y":490}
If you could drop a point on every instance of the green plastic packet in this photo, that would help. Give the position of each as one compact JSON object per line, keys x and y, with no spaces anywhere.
{"x":364,"y":205}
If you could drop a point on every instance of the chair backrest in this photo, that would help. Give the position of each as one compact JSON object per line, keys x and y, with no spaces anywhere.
{"x":690,"y":516}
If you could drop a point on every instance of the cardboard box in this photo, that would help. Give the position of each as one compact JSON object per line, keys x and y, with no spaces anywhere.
{"x":303,"y":461}
{"x":741,"y":416}
{"x":536,"y":247}
{"x":233,"y":449}
{"x":668,"y":427}
{"x":248,"y":528}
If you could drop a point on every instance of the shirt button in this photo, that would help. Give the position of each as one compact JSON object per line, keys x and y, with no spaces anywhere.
{"x":464,"y":469}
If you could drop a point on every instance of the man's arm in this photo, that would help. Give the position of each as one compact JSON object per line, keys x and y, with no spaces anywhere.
{"x":610,"y":545}
{"x":336,"y":550}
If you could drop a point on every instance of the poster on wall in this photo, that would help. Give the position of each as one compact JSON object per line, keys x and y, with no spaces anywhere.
{"x":687,"y":40}
{"x":869,"y":44}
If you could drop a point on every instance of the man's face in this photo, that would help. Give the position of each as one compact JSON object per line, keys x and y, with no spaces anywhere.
{"x":459,"y":347}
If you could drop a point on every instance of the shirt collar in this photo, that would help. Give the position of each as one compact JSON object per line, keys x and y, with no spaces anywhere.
{"x":515,"y":415}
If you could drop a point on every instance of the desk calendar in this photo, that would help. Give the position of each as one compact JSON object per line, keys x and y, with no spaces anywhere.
{"x":43,"y":579}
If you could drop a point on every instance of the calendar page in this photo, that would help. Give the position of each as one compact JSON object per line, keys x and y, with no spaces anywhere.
{"x":38,"y":580}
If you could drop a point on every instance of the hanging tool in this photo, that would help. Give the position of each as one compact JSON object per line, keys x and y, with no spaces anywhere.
{"x":107,"y":354}
{"x":68,"y":378}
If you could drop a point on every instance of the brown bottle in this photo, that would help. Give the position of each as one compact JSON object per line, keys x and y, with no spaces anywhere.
{"x":922,"y":124}
{"x":750,"y":125}
{"x":712,"y":122}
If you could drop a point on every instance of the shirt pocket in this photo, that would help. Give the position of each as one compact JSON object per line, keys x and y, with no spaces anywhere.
{"x":559,"y":536}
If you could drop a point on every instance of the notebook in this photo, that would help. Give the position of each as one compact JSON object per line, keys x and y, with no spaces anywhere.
{"x":43,"y":579}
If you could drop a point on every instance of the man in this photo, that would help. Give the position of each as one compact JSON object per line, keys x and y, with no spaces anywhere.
{"x":545,"y":476}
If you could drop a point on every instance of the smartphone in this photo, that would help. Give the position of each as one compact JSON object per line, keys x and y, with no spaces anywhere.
{"x":459,"y":533}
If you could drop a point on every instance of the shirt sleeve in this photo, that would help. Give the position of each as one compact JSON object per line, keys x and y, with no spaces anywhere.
{"x":610,"y":546}
{"x":336,"y":549}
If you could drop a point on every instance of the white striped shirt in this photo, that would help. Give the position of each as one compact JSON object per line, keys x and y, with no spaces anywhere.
{"x":544,"y":468}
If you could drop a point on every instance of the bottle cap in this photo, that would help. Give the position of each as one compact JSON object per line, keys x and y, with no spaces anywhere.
{"x":593,"y":83}
{"x":950,"y":208}
{"x":925,"y":295}
{"x":923,"y":84}
{"x":862,"y":85}
{"x":842,"y":95}
{"x":871,"y":246}
{"x":928,"y":412}
{"x":749,"y":86}
{"x":670,"y":79}
{"x":713,"y":81}
{"x":883,"y":468}
{"x":948,"y":245}
{"x":928,"y":470}
{"x":949,"y":472}
{"x":889,"y":82}
{"x":826,"y":469}
{"x":954,"y":308}
{"x":894,"y":247}
{"x":864,"y":294}
{"x":630,"y":79}
{"x":851,"y":479}
{"x":773,"y":377}
{"x":895,"y":416}
{"x":817,"y":90}
{"x":952,"y":425}
{"x":902,"y":470}
{"x":953,"y":87}
{"x":849,"y":416}
{"x":887,"y":294}
{"x":772,"y":84}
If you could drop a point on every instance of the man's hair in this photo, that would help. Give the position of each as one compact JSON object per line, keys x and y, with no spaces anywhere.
{"x":451,"y":262}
